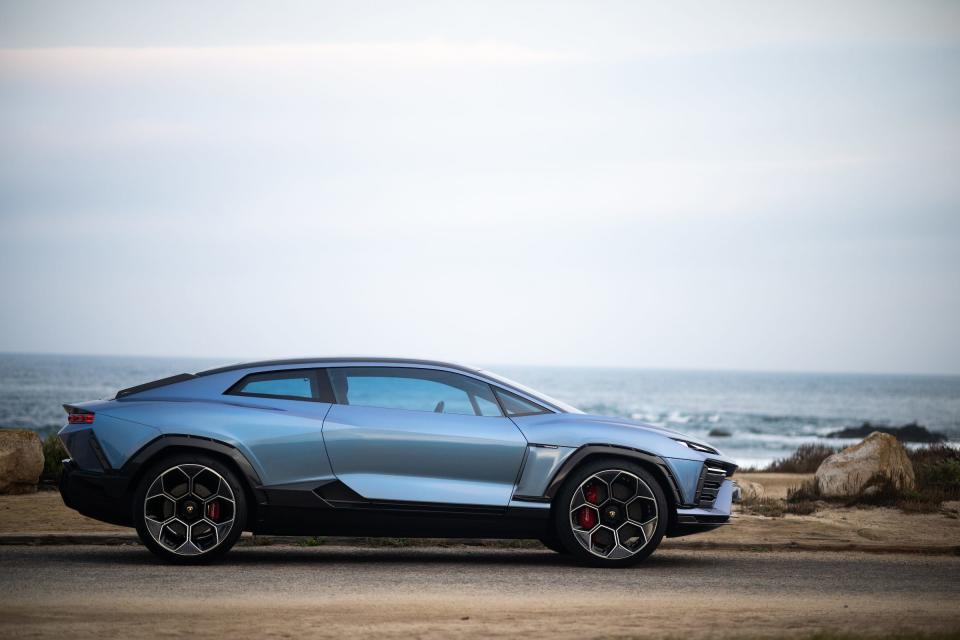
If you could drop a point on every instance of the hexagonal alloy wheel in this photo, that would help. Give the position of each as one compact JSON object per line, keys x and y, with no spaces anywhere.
{"x":189,"y":509}
{"x":613,"y":514}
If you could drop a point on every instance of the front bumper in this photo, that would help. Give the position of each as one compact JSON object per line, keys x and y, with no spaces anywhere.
{"x":96,"y":494}
{"x":699,"y":519}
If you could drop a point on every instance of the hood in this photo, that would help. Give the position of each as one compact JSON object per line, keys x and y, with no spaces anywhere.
{"x":626,"y":422}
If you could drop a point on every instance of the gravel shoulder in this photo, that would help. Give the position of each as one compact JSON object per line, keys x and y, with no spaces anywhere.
{"x":103,"y":592}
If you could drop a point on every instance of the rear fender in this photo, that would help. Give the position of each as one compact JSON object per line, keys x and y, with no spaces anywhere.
{"x":167,"y":444}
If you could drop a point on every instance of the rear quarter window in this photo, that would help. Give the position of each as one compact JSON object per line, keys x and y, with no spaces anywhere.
{"x":298,"y":384}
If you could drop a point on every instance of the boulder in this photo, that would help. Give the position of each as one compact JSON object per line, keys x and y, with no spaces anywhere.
{"x":848,"y":472}
{"x":21,"y":460}
{"x":751,"y":490}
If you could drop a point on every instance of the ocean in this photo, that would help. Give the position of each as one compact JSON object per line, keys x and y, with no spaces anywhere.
{"x":768,"y":415}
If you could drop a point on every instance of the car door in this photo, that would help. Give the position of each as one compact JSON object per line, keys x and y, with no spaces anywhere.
{"x":421,"y":435}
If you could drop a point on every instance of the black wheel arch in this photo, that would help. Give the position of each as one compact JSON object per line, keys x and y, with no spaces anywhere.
{"x":166,"y":445}
{"x":652,"y":463}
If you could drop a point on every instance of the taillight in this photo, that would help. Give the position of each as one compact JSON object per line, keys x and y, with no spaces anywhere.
{"x":80,"y":418}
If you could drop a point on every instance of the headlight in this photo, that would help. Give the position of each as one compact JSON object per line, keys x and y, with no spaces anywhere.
{"x":696,"y":447}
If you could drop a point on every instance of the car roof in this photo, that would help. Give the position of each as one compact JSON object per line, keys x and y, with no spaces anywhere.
{"x":339,"y":360}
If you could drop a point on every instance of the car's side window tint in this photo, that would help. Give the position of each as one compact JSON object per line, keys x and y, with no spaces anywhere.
{"x":488,"y":406}
{"x":295,"y":385}
{"x":514,"y":406}
{"x":413,"y":389}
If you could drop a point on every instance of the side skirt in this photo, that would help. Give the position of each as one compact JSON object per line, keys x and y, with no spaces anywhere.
{"x":333,"y":509}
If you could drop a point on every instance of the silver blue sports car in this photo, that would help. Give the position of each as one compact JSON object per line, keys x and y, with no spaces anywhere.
{"x":382,"y":447}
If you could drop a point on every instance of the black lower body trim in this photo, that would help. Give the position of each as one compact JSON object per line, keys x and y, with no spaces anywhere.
{"x":97,"y":495}
{"x":334,"y":509}
{"x":687,"y":525}
{"x":403,"y":523}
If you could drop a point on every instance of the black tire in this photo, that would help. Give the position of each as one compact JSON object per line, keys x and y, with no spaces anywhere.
{"x":552,"y":542}
{"x":615,"y":519}
{"x":176,"y":513}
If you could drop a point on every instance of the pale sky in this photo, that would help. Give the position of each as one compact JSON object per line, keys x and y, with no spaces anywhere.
{"x":767,"y":185}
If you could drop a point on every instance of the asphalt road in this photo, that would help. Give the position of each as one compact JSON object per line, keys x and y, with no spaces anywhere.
{"x":341,"y":592}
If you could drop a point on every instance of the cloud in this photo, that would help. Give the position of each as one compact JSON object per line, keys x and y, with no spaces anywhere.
{"x":637,"y":183}
{"x":286,"y":59}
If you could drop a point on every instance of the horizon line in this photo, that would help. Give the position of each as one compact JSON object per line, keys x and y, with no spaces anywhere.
{"x":235,"y":360}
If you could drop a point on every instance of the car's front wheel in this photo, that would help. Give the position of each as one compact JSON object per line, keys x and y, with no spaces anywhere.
{"x":552,"y":541}
{"x":610,"y":513}
{"x":189,"y":508}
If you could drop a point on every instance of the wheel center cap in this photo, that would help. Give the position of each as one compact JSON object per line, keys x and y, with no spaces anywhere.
{"x":611,"y":513}
{"x":190,"y":510}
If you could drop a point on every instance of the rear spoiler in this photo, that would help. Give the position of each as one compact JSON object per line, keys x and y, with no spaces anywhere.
{"x":180,"y":377}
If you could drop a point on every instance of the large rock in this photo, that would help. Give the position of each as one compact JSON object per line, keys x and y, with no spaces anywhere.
{"x":847,"y":473}
{"x":751,"y":490}
{"x":21,"y":460}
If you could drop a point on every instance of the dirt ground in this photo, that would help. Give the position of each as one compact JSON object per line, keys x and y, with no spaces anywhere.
{"x":44,"y":512}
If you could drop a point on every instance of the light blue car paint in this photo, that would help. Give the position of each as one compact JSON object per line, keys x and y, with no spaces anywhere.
{"x":387,"y":454}
{"x":282,"y":439}
{"x":721,"y":506}
{"x":541,"y":464}
{"x":418,"y":456}
{"x":572,"y":430}
{"x":687,"y":475}
{"x":118,"y":438}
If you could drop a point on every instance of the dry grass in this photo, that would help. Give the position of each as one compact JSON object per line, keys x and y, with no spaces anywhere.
{"x":802,"y":508}
{"x":760,"y":506}
{"x":777,"y":507}
{"x":937,"y":471}
{"x":805,"y":459}
{"x":806,"y":492}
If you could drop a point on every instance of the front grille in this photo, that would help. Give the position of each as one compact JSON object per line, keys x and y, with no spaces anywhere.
{"x":711,"y":478}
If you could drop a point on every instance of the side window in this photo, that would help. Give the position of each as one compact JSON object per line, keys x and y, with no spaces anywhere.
{"x":515,"y":406}
{"x":292,"y":385}
{"x":412,"y":389}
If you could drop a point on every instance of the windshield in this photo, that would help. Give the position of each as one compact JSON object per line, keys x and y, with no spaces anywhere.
{"x":563,"y":406}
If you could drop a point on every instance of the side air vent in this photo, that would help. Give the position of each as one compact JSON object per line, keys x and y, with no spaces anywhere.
{"x":711,"y":478}
{"x":338,"y":494}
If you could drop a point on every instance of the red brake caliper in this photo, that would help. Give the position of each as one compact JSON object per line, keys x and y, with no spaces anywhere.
{"x":592,"y":493}
{"x":586,"y":518}
{"x":213,"y":510}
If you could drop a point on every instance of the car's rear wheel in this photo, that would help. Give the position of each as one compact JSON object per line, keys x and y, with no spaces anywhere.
{"x":610,"y":513}
{"x":189,"y":508}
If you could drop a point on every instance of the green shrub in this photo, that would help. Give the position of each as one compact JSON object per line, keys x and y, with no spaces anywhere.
{"x":312,"y":541}
{"x":53,"y":456}
{"x":937,"y":470}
